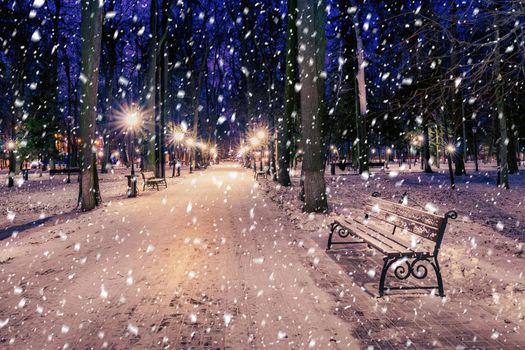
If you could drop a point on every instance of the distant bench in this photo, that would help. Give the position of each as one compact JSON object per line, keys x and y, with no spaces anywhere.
{"x":261,"y":172}
{"x":409,"y":238}
{"x":64,"y":171}
{"x":376,"y":164}
{"x":149,"y":180}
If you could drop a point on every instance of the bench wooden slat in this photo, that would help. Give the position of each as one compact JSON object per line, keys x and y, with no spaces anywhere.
{"x":418,"y":228}
{"x":373,"y":238}
{"x":412,"y":242}
{"x":406,"y":212}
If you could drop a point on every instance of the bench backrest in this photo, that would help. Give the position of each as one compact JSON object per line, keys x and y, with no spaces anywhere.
{"x":421,"y":223}
{"x":147,"y":175}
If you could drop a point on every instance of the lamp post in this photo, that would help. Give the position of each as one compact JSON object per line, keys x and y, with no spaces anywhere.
{"x":178,"y":136}
{"x":421,"y":139}
{"x":474,"y":132}
{"x":388,"y":153}
{"x":190,"y":143}
{"x":262,"y":135}
{"x":11,"y":146}
{"x":69,"y":121}
{"x":255,"y":141}
{"x":132,"y":121}
{"x":450,"y":150}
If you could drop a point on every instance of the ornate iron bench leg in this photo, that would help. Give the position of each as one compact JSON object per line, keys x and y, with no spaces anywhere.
{"x":332,"y":228}
{"x":386,"y":265}
{"x":438,"y":277}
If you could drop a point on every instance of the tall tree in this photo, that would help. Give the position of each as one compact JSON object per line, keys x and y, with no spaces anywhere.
{"x":503,"y":141}
{"x":91,"y":32}
{"x":164,"y":87}
{"x":285,"y":124}
{"x":110,"y":34}
{"x":361,"y":107}
{"x":149,"y":98}
{"x":313,"y":164}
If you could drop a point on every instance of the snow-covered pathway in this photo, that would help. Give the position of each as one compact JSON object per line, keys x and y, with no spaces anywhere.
{"x":207,"y":263}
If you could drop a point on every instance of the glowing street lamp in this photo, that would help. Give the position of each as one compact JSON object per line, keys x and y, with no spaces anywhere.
{"x":11,"y":145}
{"x":255,"y":141}
{"x":131,"y":120}
{"x":261,"y":134}
{"x":451,"y":149}
{"x":178,"y":136}
{"x":178,"y":132}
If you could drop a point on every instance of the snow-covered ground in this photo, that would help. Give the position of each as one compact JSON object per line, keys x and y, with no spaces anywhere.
{"x":482,"y":254}
{"x":206,"y":263}
{"x":218,"y":260}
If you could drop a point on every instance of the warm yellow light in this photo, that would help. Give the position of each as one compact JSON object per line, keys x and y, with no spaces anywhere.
{"x":388,"y":151}
{"x":178,"y":136}
{"x":129,"y":118}
{"x":132,"y":120}
{"x":261,"y":134}
{"x":255,"y":141}
{"x":11,"y":145}
{"x":451,"y":148}
{"x":190,"y":142}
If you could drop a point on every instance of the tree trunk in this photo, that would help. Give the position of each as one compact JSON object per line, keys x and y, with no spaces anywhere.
{"x":91,"y":30}
{"x":513,"y":138}
{"x":149,"y":157}
{"x":165,"y":110}
{"x":362,"y":130}
{"x":426,"y":150}
{"x":12,"y":169}
{"x":459,"y":162}
{"x":503,"y":166}
{"x":313,"y":165}
{"x":285,"y":124}
{"x":108,"y":96}
{"x":196,"y":96}
{"x":456,"y":102}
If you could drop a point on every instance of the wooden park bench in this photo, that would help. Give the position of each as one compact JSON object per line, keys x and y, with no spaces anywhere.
{"x":376,"y":164}
{"x":262,"y":172}
{"x":149,"y":179}
{"x":64,"y":171}
{"x":408,"y":238}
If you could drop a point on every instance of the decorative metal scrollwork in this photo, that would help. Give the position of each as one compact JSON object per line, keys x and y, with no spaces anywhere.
{"x":452,"y":214}
{"x":415,"y":268}
{"x":402,"y":272}
{"x":419,"y":269}
{"x":341,"y":231}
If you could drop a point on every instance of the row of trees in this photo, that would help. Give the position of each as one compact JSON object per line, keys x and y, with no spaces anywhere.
{"x":193,"y":62}
{"x":440,"y":72}
{"x":350,"y":74}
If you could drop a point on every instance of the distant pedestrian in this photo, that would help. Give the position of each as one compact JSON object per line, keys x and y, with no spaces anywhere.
{"x":177,"y":165}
